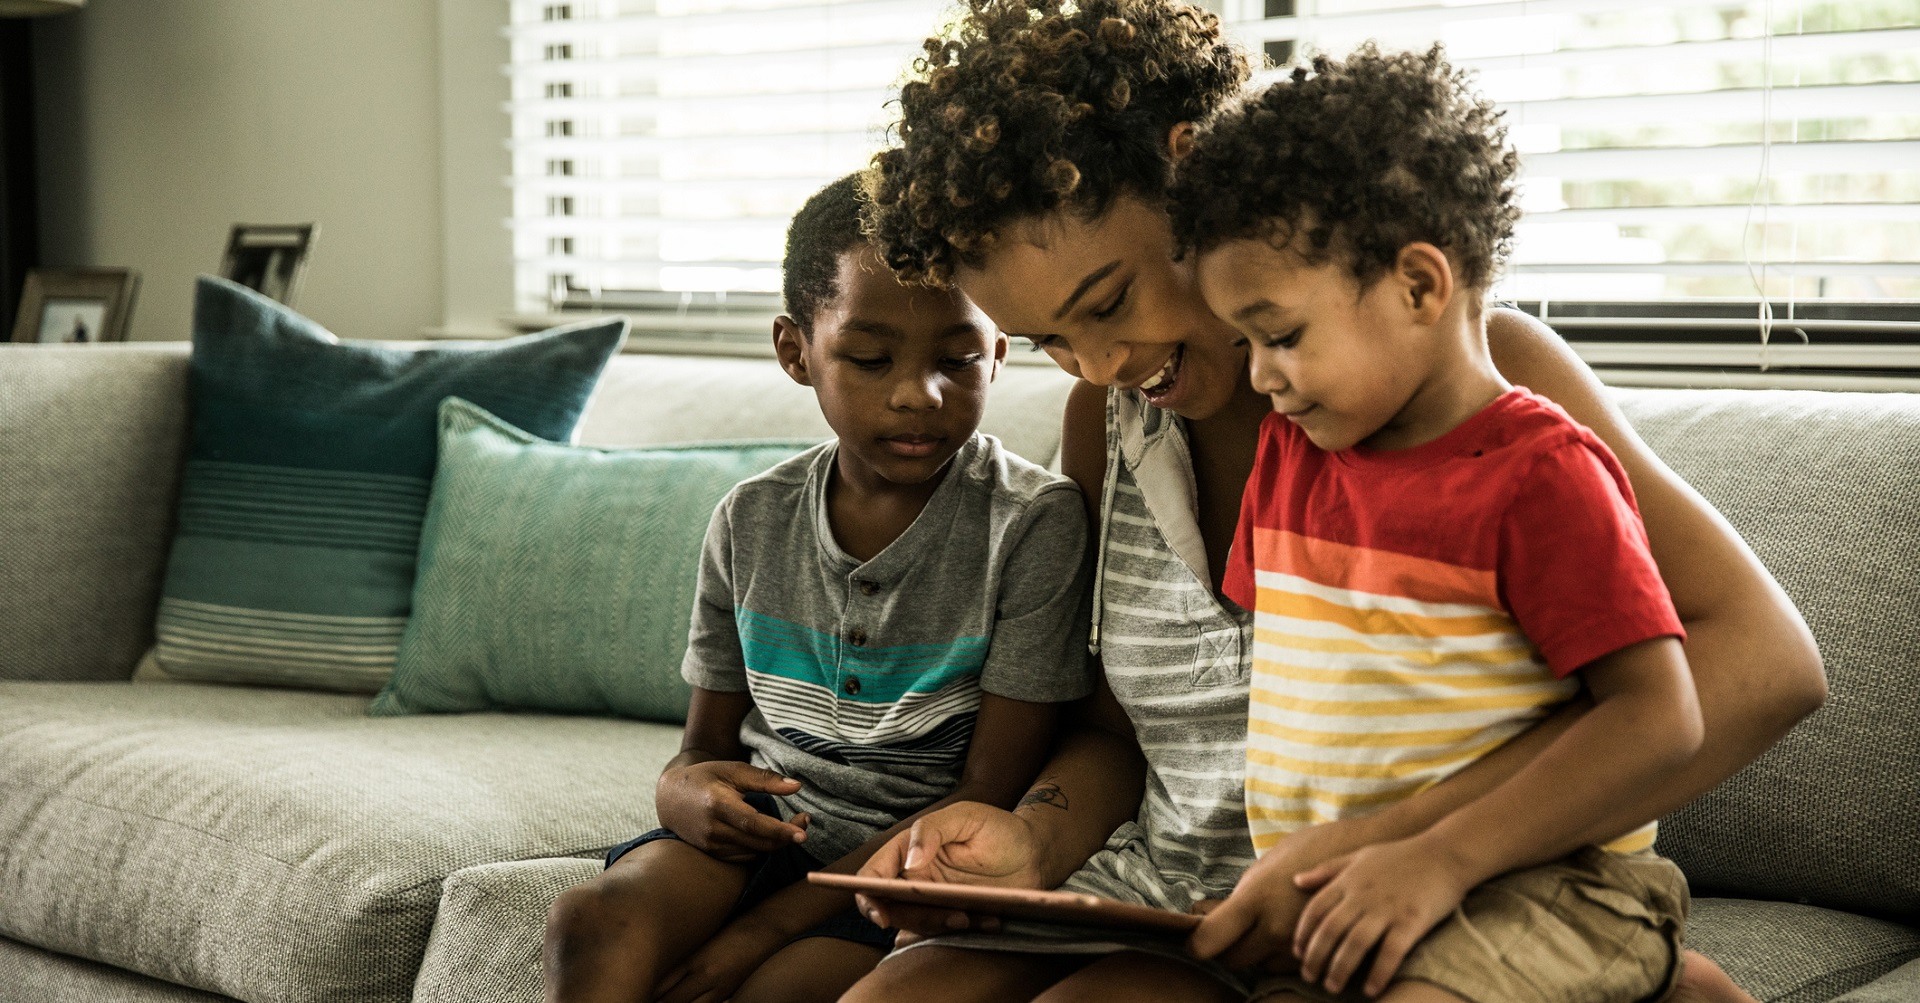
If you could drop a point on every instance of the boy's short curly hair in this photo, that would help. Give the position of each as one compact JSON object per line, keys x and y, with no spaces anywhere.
{"x":1027,"y":107}
{"x":1372,"y":152}
{"x":827,"y":226}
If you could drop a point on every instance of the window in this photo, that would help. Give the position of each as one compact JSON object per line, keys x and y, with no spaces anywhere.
{"x":1686,"y":161}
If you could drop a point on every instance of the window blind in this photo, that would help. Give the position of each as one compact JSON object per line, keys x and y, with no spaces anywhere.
{"x":1687,"y":152}
{"x":660,"y":146}
{"x":1685,"y":162}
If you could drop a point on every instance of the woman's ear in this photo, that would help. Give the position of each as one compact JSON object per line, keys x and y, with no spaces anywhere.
{"x":1180,"y":140}
{"x":790,"y":347}
{"x":1427,"y":278}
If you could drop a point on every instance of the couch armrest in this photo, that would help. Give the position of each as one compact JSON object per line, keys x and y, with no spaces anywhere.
{"x":1902,"y":985}
{"x":485,"y":946}
{"x":91,"y":439}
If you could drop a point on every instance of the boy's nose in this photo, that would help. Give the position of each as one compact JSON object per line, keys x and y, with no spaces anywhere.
{"x":1267,"y":377}
{"x":916,"y":393}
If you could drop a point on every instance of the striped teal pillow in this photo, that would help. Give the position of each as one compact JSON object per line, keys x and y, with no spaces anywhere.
{"x":306,"y":481}
{"x":560,"y":578}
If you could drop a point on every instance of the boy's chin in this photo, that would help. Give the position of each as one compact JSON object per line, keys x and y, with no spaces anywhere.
{"x":907,"y":471}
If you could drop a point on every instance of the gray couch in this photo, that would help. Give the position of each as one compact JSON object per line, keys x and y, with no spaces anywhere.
{"x":180,"y":842}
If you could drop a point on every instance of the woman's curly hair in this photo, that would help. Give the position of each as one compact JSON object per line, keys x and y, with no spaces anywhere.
{"x":1027,"y":107}
{"x":1374,"y":152}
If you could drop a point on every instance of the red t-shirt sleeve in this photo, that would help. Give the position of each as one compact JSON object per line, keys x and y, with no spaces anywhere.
{"x":1237,"y":583}
{"x":1575,"y":567}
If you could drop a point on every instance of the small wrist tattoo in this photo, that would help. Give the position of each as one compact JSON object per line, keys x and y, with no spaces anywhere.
{"x":1046,"y":792}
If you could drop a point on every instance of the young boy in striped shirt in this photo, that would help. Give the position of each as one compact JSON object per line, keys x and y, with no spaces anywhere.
{"x":884,"y":624}
{"x":1435,"y":559}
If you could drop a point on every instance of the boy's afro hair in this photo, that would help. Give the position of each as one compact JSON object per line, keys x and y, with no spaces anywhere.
{"x":1376,"y":151}
{"x":826,"y":227}
{"x":1026,"y":107}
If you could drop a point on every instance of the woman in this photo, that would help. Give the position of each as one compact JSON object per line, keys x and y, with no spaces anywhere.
{"x":1036,"y":147}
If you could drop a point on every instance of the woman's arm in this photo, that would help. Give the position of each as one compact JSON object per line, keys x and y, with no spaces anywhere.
{"x":1755,"y":665}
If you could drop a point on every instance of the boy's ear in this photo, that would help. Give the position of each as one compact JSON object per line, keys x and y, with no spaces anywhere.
{"x":1426,"y":277}
{"x":1180,"y":140}
{"x":1001,"y":344}
{"x":790,"y":347}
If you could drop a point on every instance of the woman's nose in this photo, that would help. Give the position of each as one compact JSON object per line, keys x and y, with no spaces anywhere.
{"x":1100,"y":366}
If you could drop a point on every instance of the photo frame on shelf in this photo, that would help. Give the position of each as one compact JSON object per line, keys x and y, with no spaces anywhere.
{"x":269,"y":259}
{"x":76,"y":305}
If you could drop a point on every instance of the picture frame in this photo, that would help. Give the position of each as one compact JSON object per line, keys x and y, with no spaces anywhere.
{"x":270,"y":258}
{"x":76,"y":305}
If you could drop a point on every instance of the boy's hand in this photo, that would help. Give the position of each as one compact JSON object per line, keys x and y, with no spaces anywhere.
{"x":703,"y":805}
{"x":717,"y":970}
{"x":1389,"y":894}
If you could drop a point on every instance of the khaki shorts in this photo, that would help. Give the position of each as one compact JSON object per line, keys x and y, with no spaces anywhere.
{"x":1595,"y":927}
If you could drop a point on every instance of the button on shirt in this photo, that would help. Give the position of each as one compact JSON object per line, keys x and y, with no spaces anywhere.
{"x":866,"y":676}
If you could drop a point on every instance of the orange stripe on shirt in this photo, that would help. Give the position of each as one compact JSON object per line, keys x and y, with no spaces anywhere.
{"x":1379,"y":572}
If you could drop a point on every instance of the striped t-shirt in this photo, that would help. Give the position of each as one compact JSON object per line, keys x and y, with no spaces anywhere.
{"x":866,"y":676}
{"x":1414,"y":609}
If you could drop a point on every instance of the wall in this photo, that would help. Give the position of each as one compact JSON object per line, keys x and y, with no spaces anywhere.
{"x":163,"y":123}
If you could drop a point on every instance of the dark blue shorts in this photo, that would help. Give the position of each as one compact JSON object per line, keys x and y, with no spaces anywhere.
{"x":777,"y":870}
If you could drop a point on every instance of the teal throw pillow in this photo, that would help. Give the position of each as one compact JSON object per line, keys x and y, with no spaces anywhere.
{"x":560,"y":578}
{"x":307,"y":477}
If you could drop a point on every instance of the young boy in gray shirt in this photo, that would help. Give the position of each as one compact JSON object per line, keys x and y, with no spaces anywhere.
{"x":885,"y":624}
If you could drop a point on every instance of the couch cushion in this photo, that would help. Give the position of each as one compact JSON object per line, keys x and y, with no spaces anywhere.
{"x":306,"y":480}
{"x":1786,"y":953}
{"x":486,"y":938}
{"x":89,"y":461}
{"x":31,"y":975}
{"x":1902,"y":985}
{"x":281,"y":845}
{"x":1826,"y":488}
{"x":559,"y":578}
{"x":650,"y":400}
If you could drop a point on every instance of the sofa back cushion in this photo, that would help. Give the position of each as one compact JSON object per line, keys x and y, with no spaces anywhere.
{"x":90,"y":444}
{"x":1826,"y":489}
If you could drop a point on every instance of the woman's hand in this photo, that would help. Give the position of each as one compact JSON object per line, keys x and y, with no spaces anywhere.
{"x":963,"y":843}
{"x":705,"y":805}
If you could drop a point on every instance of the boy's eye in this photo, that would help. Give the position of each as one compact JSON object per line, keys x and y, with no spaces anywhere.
{"x":868,"y":362}
{"x":1288,"y":340}
{"x":963,"y":362}
{"x":1113,"y":306}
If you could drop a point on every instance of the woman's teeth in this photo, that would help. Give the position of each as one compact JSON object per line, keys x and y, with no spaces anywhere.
{"x":1163,"y":377}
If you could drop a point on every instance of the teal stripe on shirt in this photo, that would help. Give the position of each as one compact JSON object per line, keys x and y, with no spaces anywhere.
{"x":804,"y":655}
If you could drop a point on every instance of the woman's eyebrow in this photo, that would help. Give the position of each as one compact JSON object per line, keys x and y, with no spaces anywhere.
{"x":1087,"y":283}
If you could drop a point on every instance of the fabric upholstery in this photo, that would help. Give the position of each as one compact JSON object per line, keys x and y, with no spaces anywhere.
{"x":1824,"y":487}
{"x":1786,"y":953}
{"x":486,"y":938}
{"x":1901,"y":986}
{"x":306,"y":480}
{"x":281,"y":845}
{"x":650,"y":400}
{"x":31,"y":975}
{"x":90,"y":443}
{"x":559,"y":578}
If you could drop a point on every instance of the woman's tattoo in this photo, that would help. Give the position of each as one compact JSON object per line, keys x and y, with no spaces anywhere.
{"x":1046,"y":792}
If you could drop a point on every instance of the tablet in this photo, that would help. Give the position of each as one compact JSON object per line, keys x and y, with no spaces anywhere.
{"x":1065,"y":908}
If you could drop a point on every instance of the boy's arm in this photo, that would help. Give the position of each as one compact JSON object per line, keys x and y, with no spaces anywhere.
{"x":1010,"y":741}
{"x":699,"y":795}
{"x":1645,"y":722}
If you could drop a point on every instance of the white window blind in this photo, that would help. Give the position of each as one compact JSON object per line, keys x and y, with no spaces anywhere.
{"x":1679,"y":151}
{"x":1685,"y":162}
{"x":660,"y":146}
